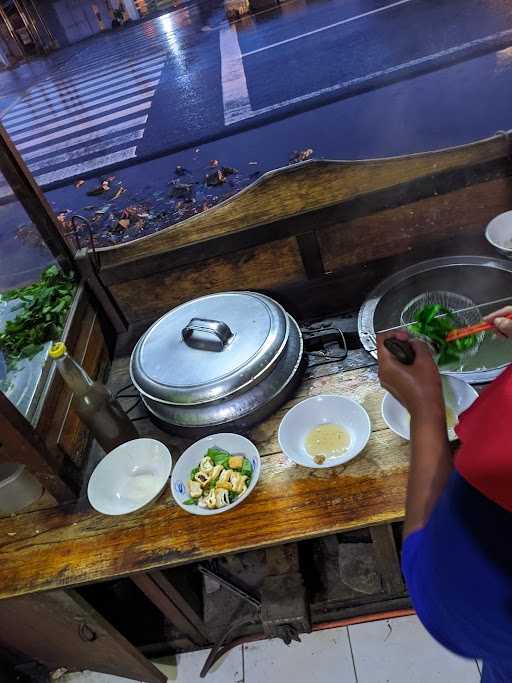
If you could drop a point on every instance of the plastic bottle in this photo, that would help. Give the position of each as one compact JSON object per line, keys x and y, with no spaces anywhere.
{"x":94,"y":403}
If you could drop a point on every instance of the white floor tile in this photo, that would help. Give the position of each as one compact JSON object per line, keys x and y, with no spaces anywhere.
{"x":179,"y":669}
{"x":322,"y":657}
{"x":186,"y":668}
{"x":92,"y":677}
{"x":401,"y":651}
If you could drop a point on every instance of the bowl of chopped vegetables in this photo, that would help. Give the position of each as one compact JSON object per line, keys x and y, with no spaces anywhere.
{"x":215,"y":474}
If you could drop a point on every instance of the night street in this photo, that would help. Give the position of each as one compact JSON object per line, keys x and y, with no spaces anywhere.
{"x":187,"y":77}
{"x":344,"y":79}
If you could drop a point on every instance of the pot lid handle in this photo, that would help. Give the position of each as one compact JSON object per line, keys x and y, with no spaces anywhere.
{"x":207,"y":335}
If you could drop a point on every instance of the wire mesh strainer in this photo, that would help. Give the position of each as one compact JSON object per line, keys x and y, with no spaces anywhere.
{"x":451,"y":301}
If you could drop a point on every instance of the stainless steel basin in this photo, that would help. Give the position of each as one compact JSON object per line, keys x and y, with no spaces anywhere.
{"x":479,"y":278}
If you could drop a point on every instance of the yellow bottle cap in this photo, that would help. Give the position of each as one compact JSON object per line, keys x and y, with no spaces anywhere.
{"x":57,"y":350}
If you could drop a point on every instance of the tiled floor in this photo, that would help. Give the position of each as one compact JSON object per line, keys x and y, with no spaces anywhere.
{"x":388,"y":651}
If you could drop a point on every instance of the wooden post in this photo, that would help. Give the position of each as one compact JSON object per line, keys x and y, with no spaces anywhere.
{"x":25,"y":446}
{"x":388,"y":564}
{"x":33,"y":201}
{"x":157,"y":587}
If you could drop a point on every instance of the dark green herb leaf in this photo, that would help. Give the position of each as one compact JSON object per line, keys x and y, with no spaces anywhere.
{"x":246,"y":468}
{"x":190,"y":501}
{"x":437,"y":328}
{"x":219,"y":456}
{"x":40,"y":316}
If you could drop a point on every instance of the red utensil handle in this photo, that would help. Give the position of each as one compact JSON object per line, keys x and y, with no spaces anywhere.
{"x":472,"y":329}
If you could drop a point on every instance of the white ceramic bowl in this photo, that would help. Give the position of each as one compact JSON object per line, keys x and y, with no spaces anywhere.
{"x":129,"y":477}
{"x":232,"y":443}
{"x":329,"y":408}
{"x":499,"y":233}
{"x":458,"y":395}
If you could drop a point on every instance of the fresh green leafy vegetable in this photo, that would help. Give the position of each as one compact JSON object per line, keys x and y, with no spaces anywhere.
{"x":41,"y":314}
{"x":194,"y":472}
{"x":190,"y":501}
{"x":435,"y":322}
{"x":246,"y":468}
{"x":219,"y":456}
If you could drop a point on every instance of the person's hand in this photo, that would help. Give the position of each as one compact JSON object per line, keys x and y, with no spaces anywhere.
{"x":418,"y":386}
{"x":503,"y":325}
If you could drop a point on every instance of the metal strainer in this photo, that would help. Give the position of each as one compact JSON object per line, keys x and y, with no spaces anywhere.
{"x":451,"y":301}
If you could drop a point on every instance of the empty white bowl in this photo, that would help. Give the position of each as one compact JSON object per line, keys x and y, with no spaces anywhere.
{"x":129,"y":477}
{"x":499,"y":233}
{"x":328,"y":408}
{"x":232,"y":443}
{"x":458,"y":395}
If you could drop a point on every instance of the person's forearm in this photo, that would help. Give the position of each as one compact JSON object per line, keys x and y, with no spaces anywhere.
{"x":431,"y":465}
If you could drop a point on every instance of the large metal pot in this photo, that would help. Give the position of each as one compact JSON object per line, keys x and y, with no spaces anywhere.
{"x":224,"y":361}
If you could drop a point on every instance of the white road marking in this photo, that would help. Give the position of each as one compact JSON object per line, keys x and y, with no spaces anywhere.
{"x":87,"y":137}
{"x":90,"y":149}
{"x":85,"y":109}
{"x":368,"y":78}
{"x":329,"y":26}
{"x":49,"y":86}
{"x":65,"y":102}
{"x":86,"y":166}
{"x":85,"y":113}
{"x":235,"y":96}
{"x":82,"y":126}
{"x":78,"y":91}
{"x":81,"y":86}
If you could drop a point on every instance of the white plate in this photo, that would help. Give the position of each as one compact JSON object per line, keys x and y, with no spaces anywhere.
{"x":459,"y":395}
{"x":328,"y":408}
{"x":232,"y":443}
{"x":129,"y":477}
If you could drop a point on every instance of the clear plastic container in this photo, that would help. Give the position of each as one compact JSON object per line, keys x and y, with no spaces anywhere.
{"x":19,"y":488}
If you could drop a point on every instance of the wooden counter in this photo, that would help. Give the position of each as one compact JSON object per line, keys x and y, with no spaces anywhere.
{"x":73,"y":545}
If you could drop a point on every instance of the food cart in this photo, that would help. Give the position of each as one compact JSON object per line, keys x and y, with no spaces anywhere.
{"x":309,"y":547}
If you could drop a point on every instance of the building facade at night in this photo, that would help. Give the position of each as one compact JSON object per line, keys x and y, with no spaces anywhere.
{"x":34,"y":27}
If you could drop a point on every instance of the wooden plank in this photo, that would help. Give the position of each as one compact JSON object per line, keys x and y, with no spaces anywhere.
{"x":17,"y":174}
{"x":88,"y":271}
{"x":21,"y":443}
{"x":301,"y":189}
{"x":311,"y":254}
{"x":346,"y":289}
{"x":454,"y":216}
{"x":157,"y":588}
{"x":260,"y":268}
{"x":388,"y":564}
{"x":63,"y":431}
{"x":76,"y":545}
{"x":365,"y":203}
{"x":61,"y":629}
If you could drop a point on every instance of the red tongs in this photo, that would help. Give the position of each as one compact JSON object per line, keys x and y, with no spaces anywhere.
{"x":472,"y":329}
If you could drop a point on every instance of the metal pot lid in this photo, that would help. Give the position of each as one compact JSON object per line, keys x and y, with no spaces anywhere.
{"x":209,"y":348}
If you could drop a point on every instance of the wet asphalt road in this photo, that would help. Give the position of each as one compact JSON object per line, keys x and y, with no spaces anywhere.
{"x":192,"y":104}
{"x":252,"y":111}
{"x":187,"y":78}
